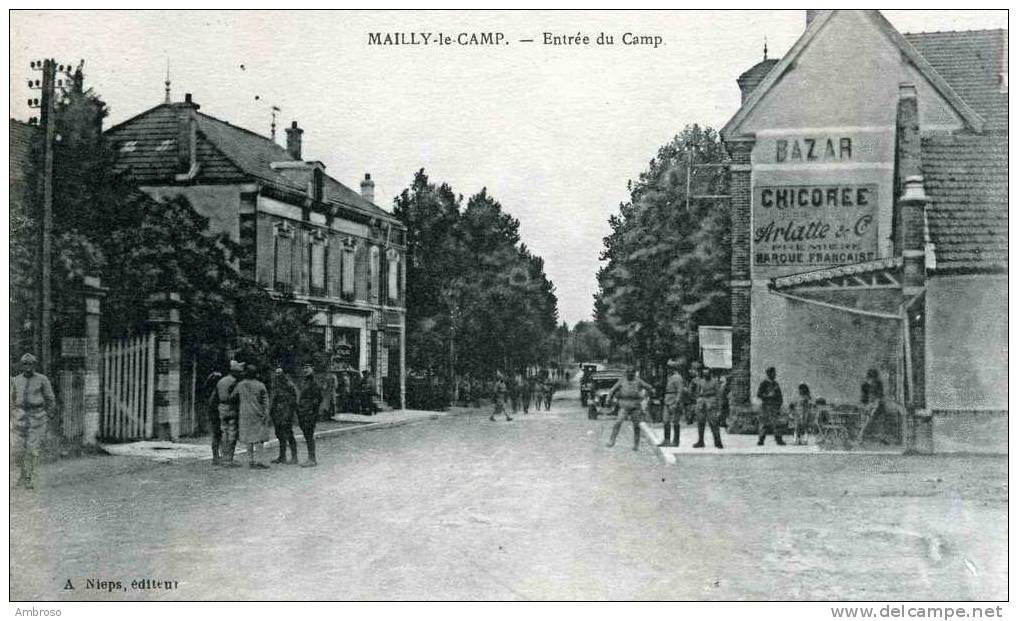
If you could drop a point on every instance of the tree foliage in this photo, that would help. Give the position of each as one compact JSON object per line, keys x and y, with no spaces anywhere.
{"x":666,"y":268}
{"x":477,"y":298}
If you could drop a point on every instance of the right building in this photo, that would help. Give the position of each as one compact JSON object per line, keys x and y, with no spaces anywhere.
{"x":869,"y":216}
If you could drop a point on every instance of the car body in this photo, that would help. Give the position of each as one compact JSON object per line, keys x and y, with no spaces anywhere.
{"x":586,"y":385}
{"x":601,"y":384}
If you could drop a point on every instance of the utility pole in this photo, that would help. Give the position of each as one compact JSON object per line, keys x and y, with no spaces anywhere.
{"x":47,"y":107}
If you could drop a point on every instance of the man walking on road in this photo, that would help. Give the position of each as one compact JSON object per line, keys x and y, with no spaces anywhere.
{"x":32,"y":401}
{"x":629,"y":391}
{"x":526,"y":393}
{"x":252,"y":400}
{"x":307,"y":412}
{"x":549,"y":392}
{"x":769,"y":394}
{"x":708,"y":390}
{"x":498,"y":399}
{"x":675,"y":390}
{"x":284,"y":402}
{"x":226,"y":414}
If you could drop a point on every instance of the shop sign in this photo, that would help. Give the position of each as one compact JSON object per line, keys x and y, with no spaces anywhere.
{"x":814,"y":225}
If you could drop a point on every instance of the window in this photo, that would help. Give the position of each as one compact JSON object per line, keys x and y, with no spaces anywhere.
{"x":392,"y":258}
{"x":316,"y":264}
{"x":347,"y":277}
{"x":374,"y":273}
{"x":283,"y":258}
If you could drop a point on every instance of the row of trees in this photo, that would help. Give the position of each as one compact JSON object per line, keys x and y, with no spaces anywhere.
{"x":477,"y":299}
{"x":666,"y":267}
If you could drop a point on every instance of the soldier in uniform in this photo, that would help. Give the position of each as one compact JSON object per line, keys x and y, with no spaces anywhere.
{"x":675,"y":392}
{"x":498,"y":397}
{"x":32,"y":401}
{"x":227,"y":414}
{"x":694,"y":373}
{"x":630,"y":392}
{"x":708,"y":390}
{"x":549,"y":392}
{"x":284,"y":402}
{"x":526,"y":393}
{"x":769,"y":394}
{"x":252,"y":402}
{"x":308,"y":404}
{"x":513,"y":389}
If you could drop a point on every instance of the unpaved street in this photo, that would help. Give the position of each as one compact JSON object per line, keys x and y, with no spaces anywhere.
{"x":462,"y":508}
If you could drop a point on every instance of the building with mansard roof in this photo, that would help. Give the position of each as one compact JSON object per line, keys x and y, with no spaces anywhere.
{"x":312,"y":237}
{"x":869,"y":215}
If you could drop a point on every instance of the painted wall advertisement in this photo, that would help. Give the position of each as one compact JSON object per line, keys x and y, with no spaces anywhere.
{"x":814,"y":225}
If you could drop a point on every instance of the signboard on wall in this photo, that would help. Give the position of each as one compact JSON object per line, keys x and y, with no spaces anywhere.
{"x":814,"y":224}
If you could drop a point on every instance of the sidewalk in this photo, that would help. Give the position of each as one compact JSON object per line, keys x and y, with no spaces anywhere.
{"x":741,"y":444}
{"x":115,"y":459}
{"x":197,"y":448}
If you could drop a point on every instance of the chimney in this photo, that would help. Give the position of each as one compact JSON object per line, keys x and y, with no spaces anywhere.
{"x":187,"y":136}
{"x":293,"y":140}
{"x":910,"y":206}
{"x":812,"y":14}
{"x":368,"y":188}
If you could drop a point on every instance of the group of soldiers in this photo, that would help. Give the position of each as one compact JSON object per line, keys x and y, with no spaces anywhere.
{"x":700,"y":395}
{"x":242,"y":409}
{"x":520,"y":392}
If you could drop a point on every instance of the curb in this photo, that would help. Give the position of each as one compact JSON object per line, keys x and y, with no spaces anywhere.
{"x":648,"y":433}
{"x":354,"y":429}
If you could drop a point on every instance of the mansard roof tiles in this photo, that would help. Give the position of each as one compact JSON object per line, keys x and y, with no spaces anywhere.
{"x":965,"y":177}
{"x":226,"y":153}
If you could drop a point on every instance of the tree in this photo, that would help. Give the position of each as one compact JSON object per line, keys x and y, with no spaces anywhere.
{"x":478,"y":300}
{"x":665,"y":267}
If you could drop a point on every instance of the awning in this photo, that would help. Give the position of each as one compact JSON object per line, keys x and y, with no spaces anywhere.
{"x":878,"y":274}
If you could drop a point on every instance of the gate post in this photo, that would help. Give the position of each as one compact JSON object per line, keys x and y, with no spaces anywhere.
{"x":164,"y":318}
{"x":93,"y":294}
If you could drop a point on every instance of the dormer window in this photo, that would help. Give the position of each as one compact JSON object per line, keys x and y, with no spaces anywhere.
{"x":318,"y":185}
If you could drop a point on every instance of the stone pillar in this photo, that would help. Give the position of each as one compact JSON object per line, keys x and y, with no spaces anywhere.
{"x":402,"y":360}
{"x":93,"y":293}
{"x":79,"y":368}
{"x":741,"y":283}
{"x":164,"y":319}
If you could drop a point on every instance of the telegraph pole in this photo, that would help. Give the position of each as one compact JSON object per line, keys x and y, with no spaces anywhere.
{"x":47,"y":107}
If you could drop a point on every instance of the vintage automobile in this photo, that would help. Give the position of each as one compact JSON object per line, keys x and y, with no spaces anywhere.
{"x":601,"y":384}
{"x":586,"y":383}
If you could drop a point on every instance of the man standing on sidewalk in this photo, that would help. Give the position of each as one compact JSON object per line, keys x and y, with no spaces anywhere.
{"x":708,"y":390}
{"x":284,"y":402}
{"x":32,"y":400}
{"x":769,"y":394}
{"x":628,"y":390}
{"x":227,"y":415}
{"x":308,"y":403}
{"x":675,"y":390}
{"x":252,"y":399}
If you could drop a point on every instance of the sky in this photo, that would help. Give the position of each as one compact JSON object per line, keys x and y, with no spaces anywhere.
{"x":553,"y":131}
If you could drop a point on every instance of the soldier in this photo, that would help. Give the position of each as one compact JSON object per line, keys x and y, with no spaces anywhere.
{"x":308,"y":404}
{"x":538,"y":391}
{"x":549,"y":392}
{"x":498,"y":398}
{"x":694,"y":373}
{"x":629,"y":391}
{"x":32,"y":401}
{"x":252,"y":401}
{"x":367,"y":393}
{"x":513,"y":389}
{"x":227,"y":414}
{"x":284,"y":402}
{"x":769,"y":394}
{"x":675,"y":392}
{"x":526,"y":393}
{"x":708,"y":390}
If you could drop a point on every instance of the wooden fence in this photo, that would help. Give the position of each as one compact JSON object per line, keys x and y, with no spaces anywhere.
{"x":128,"y":388}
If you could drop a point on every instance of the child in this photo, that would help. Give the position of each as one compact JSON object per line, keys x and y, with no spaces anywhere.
{"x":802,"y":413}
